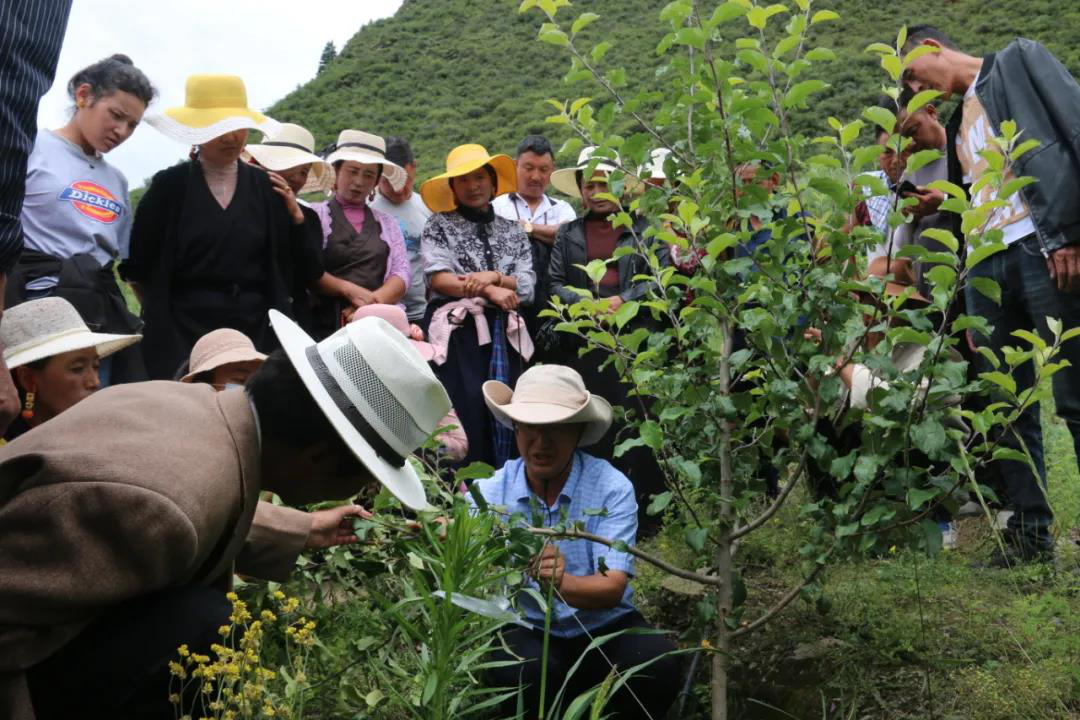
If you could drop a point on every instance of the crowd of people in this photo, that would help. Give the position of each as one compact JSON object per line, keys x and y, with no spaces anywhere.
{"x":309,"y":320}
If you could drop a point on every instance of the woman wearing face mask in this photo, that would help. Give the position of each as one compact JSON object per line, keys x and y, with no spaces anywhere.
{"x":223,"y":358}
{"x":76,"y":216}
{"x":479,"y":271}
{"x":214,"y":244}
{"x":54,"y":358}
{"x":363,"y":248}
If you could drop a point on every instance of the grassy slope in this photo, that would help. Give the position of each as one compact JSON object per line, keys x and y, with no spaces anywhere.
{"x":444,"y":72}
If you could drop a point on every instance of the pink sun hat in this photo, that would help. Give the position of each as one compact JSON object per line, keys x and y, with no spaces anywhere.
{"x":398,"y":320}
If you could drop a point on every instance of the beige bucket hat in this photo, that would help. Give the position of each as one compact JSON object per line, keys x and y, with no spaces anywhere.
{"x":39,"y":329}
{"x":378,"y":393}
{"x":293,"y":145}
{"x":550,"y":395}
{"x":369,"y":149}
{"x":220,"y":347}
{"x":565,"y":179}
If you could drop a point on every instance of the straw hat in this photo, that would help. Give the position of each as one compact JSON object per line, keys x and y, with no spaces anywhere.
{"x":462,"y":160}
{"x":213,"y":105}
{"x":549,"y":395}
{"x":378,"y":393}
{"x":565,"y":179}
{"x":290,"y":146}
{"x":369,"y":149}
{"x":394,"y":315}
{"x":39,"y":329}
{"x":220,"y":347}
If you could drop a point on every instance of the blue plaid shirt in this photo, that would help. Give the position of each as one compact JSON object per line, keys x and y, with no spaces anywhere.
{"x":594,"y":484}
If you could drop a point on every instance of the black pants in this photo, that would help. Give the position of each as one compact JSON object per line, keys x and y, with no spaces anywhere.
{"x":118,"y":666}
{"x":656,"y":686}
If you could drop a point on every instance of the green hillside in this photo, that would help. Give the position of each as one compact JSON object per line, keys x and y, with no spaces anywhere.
{"x":444,"y":72}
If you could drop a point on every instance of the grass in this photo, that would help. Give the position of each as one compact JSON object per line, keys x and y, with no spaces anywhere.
{"x":907,"y":636}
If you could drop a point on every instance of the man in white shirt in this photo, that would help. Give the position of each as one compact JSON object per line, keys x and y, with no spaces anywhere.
{"x":412,"y":214}
{"x":926,"y":132}
{"x":539,"y":215}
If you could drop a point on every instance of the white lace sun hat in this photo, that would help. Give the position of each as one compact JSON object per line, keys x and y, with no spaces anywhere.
{"x":39,"y":329}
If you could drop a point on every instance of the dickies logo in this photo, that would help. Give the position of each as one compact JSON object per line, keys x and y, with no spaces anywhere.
{"x":93,"y":201}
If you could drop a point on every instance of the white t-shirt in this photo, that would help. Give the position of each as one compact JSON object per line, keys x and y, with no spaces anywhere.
{"x":75,"y":204}
{"x":412,"y":215}
{"x":975,"y":134}
{"x":549,"y":212}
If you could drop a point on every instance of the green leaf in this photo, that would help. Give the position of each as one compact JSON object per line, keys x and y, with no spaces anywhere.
{"x":1005,"y":453}
{"x":1023,"y":148}
{"x":799,"y":92}
{"x":945,"y":237}
{"x":757,"y":17}
{"x":850,"y":132}
{"x":691,"y":36}
{"x":555,"y":37}
{"x":929,"y":436}
{"x":676,"y":12}
{"x":893,"y":66}
{"x":727,"y":11}
{"x":583,"y":21}
{"x":1000,"y":379}
{"x":920,"y":99}
{"x":917,"y":497}
{"x":977,"y":255}
{"x":600,"y":50}
{"x":948,"y":188}
{"x":695,"y":537}
{"x":374,"y":697}
{"x":882,"y":117}
{"x":626,"y":312}
{"x":660,"y":502}
{"x":652,"y":434}
{"x":820,"y":54}
{"x":921,"y":158}
{"x":823,"y":16}
{"x":1012,"y":186}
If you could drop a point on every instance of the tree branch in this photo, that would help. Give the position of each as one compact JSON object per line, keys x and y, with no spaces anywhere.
{"x":779,"y":606}
{"x":710,"y":580}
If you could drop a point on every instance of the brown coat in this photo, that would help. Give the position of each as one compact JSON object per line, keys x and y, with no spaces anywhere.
{"x":138,"y":488}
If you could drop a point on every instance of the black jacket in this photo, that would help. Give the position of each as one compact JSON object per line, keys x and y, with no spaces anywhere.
{"x":1027,"y":84}
{"x":154,"y":240}
{"x":569,"y":250}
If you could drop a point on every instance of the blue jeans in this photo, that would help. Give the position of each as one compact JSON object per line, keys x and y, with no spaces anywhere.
{"x":1028,"y":297}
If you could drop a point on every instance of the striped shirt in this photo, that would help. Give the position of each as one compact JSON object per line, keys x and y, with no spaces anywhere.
{"x":31,"y":32}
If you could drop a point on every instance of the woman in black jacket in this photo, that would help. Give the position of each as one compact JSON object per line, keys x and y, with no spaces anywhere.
{"x":577,"y":243}
{"x":213,"y":244}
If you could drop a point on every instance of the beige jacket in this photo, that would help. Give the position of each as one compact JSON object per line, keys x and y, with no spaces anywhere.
{"x":138,"y":488}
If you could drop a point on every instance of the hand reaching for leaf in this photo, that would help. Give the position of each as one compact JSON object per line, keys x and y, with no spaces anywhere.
{"x":334,"y":527}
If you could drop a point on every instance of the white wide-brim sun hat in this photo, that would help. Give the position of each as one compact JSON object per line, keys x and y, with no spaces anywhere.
{"x":39,"y":329}
{"x":291,"y":146}
{"x":565,"y":179}
{"x":368,"y":149}
{"x":377,"y":392}
{"x":213,"y":105}
{"x":550,"y":395}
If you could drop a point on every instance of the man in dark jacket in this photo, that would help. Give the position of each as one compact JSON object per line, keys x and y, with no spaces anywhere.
{"x":1039,"y":271}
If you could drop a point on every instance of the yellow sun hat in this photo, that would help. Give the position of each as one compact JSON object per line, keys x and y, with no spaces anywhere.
{"x":462,"y":160}
{"x":213,"y":105}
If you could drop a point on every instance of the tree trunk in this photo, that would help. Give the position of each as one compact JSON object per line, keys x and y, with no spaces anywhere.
{"x":722,"y":655}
